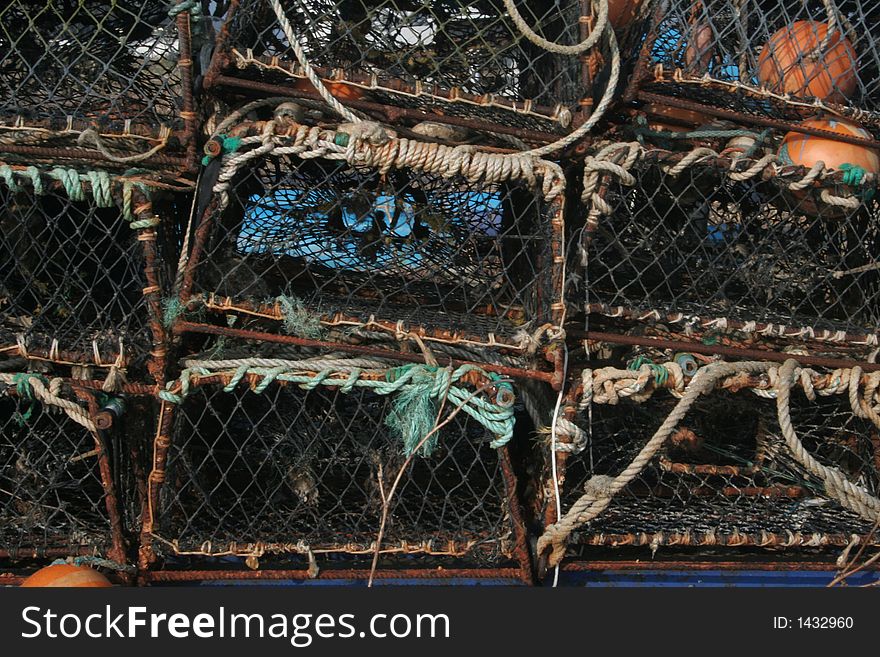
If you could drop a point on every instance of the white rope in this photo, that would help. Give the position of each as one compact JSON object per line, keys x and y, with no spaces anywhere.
{"x":559,"y":49}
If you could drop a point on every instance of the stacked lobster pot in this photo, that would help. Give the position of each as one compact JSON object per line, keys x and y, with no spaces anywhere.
{"x":393,"y":290}
{"x":723,"y":390}
{"x":97,"y":126}
{"x":373,"y":270}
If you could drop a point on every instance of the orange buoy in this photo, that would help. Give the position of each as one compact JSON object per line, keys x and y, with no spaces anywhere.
{"x":806,"y":150}
{"x":622,"y":12}
{"x":673,"y":119}
{"x":67,"y":575}
{"x":340,"y":90}
{"x":791,"y":62}
{"x":698,"y":54}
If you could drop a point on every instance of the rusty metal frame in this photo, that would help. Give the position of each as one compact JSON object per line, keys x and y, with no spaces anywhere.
{"x":142,"y":209}
{"x":554,"y":266}
{"x":148,"y":559}
{"x":221,"y":73}
{"x":586,"y":540}
{"x":701,"y":325}
{"x":187,"y":137}
{"x":117,"y":550}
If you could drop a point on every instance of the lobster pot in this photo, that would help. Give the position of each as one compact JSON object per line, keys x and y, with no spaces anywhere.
{"x":285,"y":472}
{"x":700,"y":252}
{"x":80,"y":285}
{"x":57,"y":484}
{"x":314,"y":248}
{"x":124,"y":72}
{"x":770,"y":58}
{"x":460,"y":59}
{"x":724,"y":479}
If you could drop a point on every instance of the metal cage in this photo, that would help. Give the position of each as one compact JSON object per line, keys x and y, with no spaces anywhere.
{"x":59,"y":475}
{"x":97,"y":81}
{"x":275,"y":476}
{"x":464,"y":63}
{"x":82,"y":274}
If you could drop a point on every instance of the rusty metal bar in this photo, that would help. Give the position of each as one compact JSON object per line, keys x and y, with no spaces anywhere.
{"x":181,"y":327}
{"x":521,"y":544}
{"x":61,"y":153}
{"x":111,"y":501}
{"x":185,"y":66}
{"x":641,"y":564}
{"x":767,"y":330}
{"x":733,"y":352}
{"x":411,"y":573}
{"x":764,"y":539}
{"x":740,"y":117}
{"x":391,"y":113}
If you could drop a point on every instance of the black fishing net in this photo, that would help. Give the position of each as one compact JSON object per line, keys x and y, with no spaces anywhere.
{"x":460,"y":54}
{"x":317,"y":240}
{"x":291,"y":470}
{"x":103,"y":65}
{"x":725,"y":477}
{"x":705,"y":246}
{"x":74,"y":272}
{"x":783,"y":47}
{"x":52,"y":495}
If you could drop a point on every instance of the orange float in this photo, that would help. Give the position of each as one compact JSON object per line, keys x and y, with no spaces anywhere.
{"x":622,"y":12}
{"x":340,"y":90}
{"x":791,"y":63}
{"x":805,"y":150}
{"x":66,"y":575}
{"x":673,"y":119}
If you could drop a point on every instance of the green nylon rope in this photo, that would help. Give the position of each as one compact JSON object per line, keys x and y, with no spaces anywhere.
{"x":415,"y":385}
{"x":25,"y":391}
{"x":72,"y":181}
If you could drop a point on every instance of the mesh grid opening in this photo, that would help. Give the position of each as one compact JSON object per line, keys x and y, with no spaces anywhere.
{"x":414,"y":54}
{"x":73,"y":272}
{"x":724,"y":477}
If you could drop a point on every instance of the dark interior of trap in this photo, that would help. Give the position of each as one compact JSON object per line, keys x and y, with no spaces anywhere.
{"x":743,"y":251}
{"x":709,"y":38}
{"x":71,"y":271}
{"x":51,"y":493}
{"x":97,"y":60}
{"x":404,"y":246}
{"x":726,"y":469}
{"x":289,"y":466}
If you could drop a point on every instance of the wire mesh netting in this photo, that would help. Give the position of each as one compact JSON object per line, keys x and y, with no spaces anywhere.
{"x":285,"y":470}
{"x":52,"y":495}
{"x":110,"y":67}
{"x":725,"y":477}
{"x":825,"y":50}
{"x":74,"y":275}
{"x":706,"y":246}
{"x":318,"y":240}
{"x":457,"y":58}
